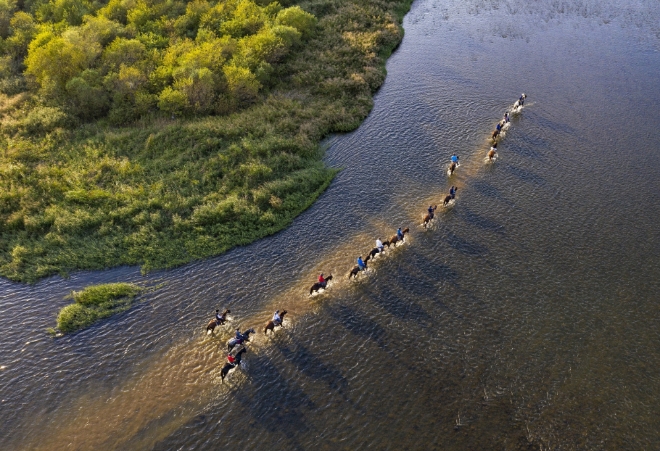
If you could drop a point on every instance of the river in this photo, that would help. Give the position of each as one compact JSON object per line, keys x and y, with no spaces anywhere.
{"x":525,"y":317}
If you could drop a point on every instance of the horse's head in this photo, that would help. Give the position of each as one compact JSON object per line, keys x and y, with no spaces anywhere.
{"x":406,"y":230}
{"x":226,"y":312}
{"x":282,"y":314}
{"x":328,"y":278}
{"x":248,"y":332}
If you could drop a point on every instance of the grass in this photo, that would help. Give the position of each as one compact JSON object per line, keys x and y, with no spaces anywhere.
{"x":94,"y":303}
{"x":163,"y":192}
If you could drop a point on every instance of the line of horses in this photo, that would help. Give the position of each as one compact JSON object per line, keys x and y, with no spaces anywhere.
{"x":236,"y":347}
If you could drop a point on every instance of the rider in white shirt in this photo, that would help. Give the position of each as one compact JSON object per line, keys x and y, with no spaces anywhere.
{"x":276,"y":318}
{"x":379,"y":245}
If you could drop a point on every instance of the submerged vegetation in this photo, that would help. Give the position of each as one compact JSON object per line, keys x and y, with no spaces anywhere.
{"x":156,"y":132}
{"x":94,"y":303}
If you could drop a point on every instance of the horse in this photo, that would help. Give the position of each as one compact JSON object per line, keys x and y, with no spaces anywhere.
{"x":356,"y":269}
{"x":210,"y":327}
{"x":428,"y":217}
{"x":520,"y":102}
{"x":447,"y":200}
{"x":395,"y":239}
{"x":496,"y":133}
{"x":452,"y":168}
{"x":372,"y":253}
{"x":270,"y":325}
{"x":318,"y":285}
{"x":235,"y":341}
{"x":492,"y":154}
{"x":228,"y":366}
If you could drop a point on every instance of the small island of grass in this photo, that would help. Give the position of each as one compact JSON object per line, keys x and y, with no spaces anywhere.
{"x":94,"y":303}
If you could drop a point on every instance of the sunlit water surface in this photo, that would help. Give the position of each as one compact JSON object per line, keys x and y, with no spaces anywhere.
{"x":526,"y":317}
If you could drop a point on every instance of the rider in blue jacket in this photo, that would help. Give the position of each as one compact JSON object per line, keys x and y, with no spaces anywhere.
{"x":452,"y":191}
{"x":361,"y":264}
{"x":399,"y":233}
{"x":454,"y":159}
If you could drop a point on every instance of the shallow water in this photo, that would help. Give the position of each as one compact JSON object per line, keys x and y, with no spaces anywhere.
{"x":526,"y":317}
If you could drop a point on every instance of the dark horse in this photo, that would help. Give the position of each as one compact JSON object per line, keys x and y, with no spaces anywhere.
{"x":495,"y":134}
{"x":235,"y":341}
{"x":270,"y":325}
{"x":452,"y":168}
{"x":215,"y":322}
{"x":447,"y":199}
{"x":395,"y":239}
{"x":372,"y":253}
{"x":228,"y":366}
{"x":356,"y":269}
{"x":318,"y":285}
{"x":428,"y":217}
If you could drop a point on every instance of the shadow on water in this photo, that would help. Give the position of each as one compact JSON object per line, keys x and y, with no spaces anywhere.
{"x":359,"y":324}
{"x":313,"y":367}
{"x":480,"y":221}
{"x":282,"y":404}
{"x":465,"y":247}
{"x":525,"y":175}
{"x":488,"y":190}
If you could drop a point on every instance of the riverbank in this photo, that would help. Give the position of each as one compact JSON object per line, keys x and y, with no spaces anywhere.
{"x":163,"y":192}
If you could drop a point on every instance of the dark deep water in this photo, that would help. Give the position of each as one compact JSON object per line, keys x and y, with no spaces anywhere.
{"x":526,"y":317}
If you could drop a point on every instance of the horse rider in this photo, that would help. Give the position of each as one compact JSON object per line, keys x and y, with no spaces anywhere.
{"x":452,"y":191}
{"x":430,"y":210}
{"x":494,"y":147}
{"x":498,"y":127}
{"x":361,"y":264}
{"x":522,"y":99}
{"x":322,"y":280}
{"x":399,"y":233}
{"x":506,"y":117}
{"x":454,"y":159}
{"x":379,"y":245}
{"x":219,"y":317}
{"x":277,"y":319}
{"x":240,"y":338}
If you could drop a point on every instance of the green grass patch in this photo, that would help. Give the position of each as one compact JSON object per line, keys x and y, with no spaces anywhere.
{"x":94,"y":303}
{"x":84,"y":192}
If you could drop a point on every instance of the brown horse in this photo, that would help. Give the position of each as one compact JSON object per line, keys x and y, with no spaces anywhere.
{"x":395,"y":239}
{"x":428,"y":217}
{"x":356,"y":269}
{"x":452,"y":168}
{"x":318,"y":285}
{"x":496,"y":133}
{"x":447,"y":199}
{"x":215,"y":322}
{"x":270,"y":325}
{"x":492,"y":153}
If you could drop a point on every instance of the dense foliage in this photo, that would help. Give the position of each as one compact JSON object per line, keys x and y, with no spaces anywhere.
{"x":156,"y":132}
{"x":94,"y":303}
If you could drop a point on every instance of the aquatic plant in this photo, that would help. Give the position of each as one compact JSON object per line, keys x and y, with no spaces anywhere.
{"x":94,"y":303}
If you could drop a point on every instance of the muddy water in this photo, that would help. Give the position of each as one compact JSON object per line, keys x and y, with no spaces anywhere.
{"x":526,"y":317}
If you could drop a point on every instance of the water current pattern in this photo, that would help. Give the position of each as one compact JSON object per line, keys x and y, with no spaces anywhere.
{"x":524,"y":317}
